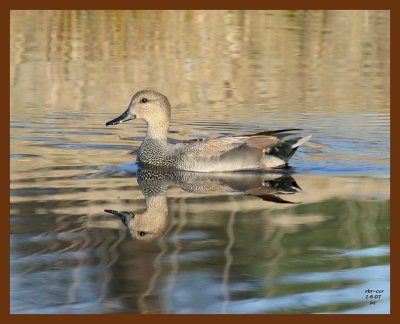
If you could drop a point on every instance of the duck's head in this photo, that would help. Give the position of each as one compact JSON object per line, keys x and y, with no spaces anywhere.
{"x":149,"y":105}
{"x":149,"y":225}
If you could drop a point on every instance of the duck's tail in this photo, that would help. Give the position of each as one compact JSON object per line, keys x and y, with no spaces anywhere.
{"x":279,"y":154}
{"x":300,"y":141}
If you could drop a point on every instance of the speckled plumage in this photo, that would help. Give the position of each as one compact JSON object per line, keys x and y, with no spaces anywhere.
{"x":230,"y":153}
{"x":154,"y":183}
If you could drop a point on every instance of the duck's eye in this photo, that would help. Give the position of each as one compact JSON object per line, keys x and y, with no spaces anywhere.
{"x":144,"y":100}
{"x":141,"y":233}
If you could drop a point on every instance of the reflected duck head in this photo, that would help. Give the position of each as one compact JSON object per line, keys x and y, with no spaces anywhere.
{"x":147,"y":226}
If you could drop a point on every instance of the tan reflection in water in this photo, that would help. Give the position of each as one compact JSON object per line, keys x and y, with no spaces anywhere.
{"x":277,"y":227}
{"x":217,"y":62}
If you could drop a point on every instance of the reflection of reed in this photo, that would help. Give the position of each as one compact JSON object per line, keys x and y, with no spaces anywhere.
{"x":321,"y":222}
{"x":106,"y":263}
{"x":276,"y":254}
{"x":228,"y":261}
{"x":347,"y":217}
{"x":61,"y":241}
{"x":77,"y":275}
{"x":355,"y":216}
{"x":157,"y":265}
{"x":250,"y":47}
{"x":182,"y":221}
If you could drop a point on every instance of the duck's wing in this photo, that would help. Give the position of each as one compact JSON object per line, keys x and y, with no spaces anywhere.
{"x":220,"y":145}
{"x":216,"y":147}
{"x":275,"y":133}
{"x":225,"y":143}
{"x":209,"y":148}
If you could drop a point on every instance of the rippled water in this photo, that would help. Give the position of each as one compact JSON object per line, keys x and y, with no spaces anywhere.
{"x":199,"y":243}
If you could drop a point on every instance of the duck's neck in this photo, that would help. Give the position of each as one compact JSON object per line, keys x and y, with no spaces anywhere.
{"x":157,"y":132}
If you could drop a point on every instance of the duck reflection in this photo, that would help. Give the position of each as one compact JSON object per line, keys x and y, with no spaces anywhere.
{"x":154,"y":183}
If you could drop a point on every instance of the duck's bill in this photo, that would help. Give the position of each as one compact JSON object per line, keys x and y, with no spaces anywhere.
{"x":127,"y":115}
{"x":125,"y":217}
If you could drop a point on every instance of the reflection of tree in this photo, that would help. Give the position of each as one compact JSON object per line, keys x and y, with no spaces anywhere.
{"x":260,"y":245}
{"x":277,"y":52}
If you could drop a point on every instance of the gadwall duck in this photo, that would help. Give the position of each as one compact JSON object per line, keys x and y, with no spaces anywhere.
{"x":265,"y":150}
